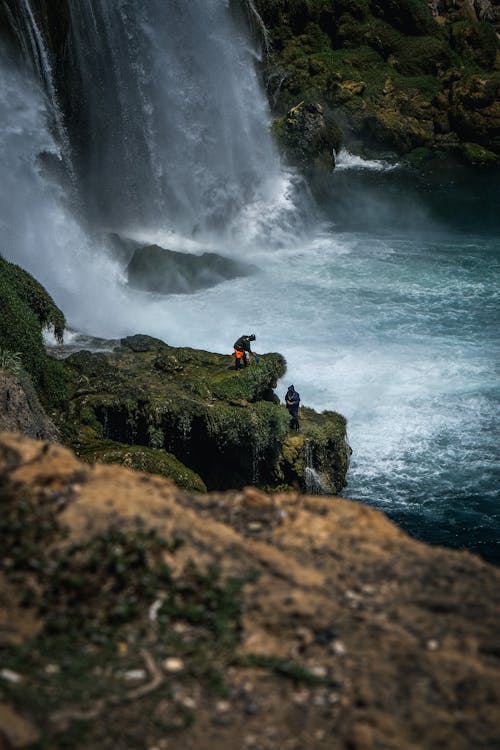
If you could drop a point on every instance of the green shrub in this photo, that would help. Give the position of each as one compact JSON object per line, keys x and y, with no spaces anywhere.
{"x":11,"y":362}
{"x":26,"y":309}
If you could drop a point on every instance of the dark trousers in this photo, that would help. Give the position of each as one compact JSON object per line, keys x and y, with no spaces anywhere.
{"x":241,"y":361}
{"x":294,"y":416}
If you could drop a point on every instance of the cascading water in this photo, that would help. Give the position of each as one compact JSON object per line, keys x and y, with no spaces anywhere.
{"x":314,"y":482}
{"x":171,"y":128}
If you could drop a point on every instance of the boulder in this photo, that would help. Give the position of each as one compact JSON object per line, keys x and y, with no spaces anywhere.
{"x":310,"y":138}
{"x":156,"y":269}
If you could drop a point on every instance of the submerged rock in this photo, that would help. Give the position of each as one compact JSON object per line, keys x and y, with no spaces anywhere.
{"x":156,"y":269}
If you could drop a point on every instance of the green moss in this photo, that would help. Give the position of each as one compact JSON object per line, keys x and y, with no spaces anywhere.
{"x":342,"y":54}
{"x":476,"y":42}
{"x":10,"y":362}
{"x":26,"y":310}
{"x":410,"y":16}
{"x":140,"y":458}
{"x":479,"y":155}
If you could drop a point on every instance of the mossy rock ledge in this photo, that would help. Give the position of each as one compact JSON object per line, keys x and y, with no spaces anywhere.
{"x":396,"y":76}
{"x":149,"y":406}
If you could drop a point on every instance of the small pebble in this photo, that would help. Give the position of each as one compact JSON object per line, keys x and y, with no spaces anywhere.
{"x":300,"y":697}
{"x":432,"y":645}
{"x":52,"y":669}
{"x":339,"y":648}
{"x":135,"y":674}
{"x":188,"y":702}
{"x":222,"y":707}
{"x":254,"y":526}
{"x":10,"y":676}
{"x":173,"y":664}
{"x":319,"y":671}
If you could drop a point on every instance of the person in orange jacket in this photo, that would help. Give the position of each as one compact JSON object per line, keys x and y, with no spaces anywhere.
{"x":242,"y":350}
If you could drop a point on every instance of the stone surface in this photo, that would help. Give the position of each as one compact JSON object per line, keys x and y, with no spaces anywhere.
{"x":157,"y":269}
{"x":21,"y":411}
{"x":417,"y":660}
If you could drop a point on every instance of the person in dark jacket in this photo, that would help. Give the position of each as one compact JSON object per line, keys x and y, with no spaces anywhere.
{"x":292,"y":402}
{"x":242,"y":350}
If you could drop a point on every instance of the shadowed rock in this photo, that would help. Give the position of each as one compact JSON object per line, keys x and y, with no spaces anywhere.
{"x":156,"y":269}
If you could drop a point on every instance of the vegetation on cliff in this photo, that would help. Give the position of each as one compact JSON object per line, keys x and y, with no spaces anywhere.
{"x":178,"y":412}
{"x":225,"y":425}
{"x":394,"y":75}
{"x":27,"y":309}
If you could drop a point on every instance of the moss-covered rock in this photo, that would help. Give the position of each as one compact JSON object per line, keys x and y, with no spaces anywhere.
{"x":309,"y":138}
{"x":26,"y":309}
{"x":223,"y":424}
{"x":141,"y":458}
{"x":393,"y":77}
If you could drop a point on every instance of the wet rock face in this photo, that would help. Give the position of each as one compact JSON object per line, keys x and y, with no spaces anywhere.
{"x":156,"y":269}
{"x":320,"y":623}
{"x":310,"y":139}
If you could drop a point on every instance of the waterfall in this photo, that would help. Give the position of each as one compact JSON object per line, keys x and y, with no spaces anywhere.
{"x":314,"y":482}
{"x":171,"y":124}
{"x":141,"y":117}
{"x":35,"y":52}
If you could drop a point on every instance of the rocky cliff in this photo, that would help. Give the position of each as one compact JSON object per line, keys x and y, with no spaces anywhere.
{"x":137,"y":615}
{"x":413,"y":78}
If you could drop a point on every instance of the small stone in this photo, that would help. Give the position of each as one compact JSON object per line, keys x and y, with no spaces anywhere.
{"x":173,"y":664}
{"x":339,"y":648}
{"x":432,"y":645}
{"x":319,"y":699}
{"x":251,"y":708}
{"x":10,"y":676}
{"x":254,"y":526}
{"x":180,"y":628}
{"x":319,"y":671}
{"x":135,"y":674}
{"x":52,"y":669}
{"x":188,"y":702}
{"x":300,"y":697}
{"x":222,"y":707}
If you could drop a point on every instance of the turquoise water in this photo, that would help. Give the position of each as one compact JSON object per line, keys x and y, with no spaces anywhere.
{"x":394,"y":324}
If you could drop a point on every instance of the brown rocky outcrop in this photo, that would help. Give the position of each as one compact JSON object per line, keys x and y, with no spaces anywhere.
{"x":344,"y":634}
{"x":21,"y":411}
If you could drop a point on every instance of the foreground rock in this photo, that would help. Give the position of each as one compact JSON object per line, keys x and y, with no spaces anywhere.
{"x":241,"y":619}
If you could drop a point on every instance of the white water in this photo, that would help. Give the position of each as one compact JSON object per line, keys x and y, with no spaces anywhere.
{"x":397,"y":333}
